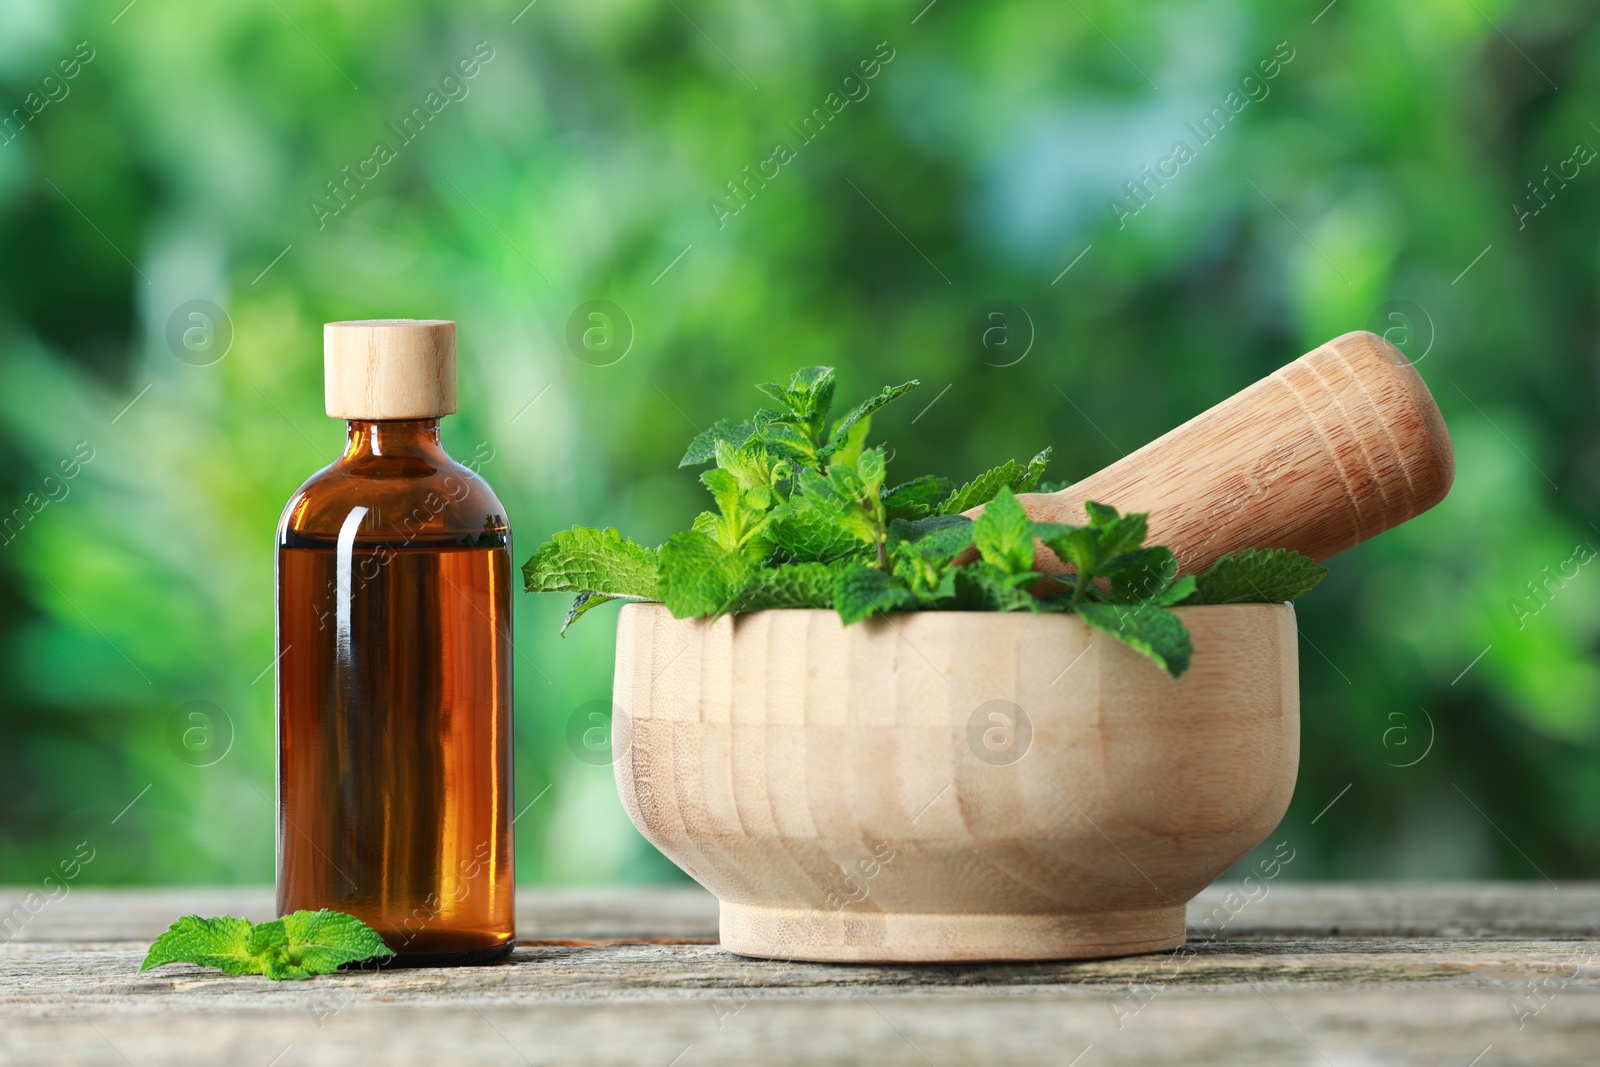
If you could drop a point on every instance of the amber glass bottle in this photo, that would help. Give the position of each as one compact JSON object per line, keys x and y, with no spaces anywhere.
{"x":394,"y":664}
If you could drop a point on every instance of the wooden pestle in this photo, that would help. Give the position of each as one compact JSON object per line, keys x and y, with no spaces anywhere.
{"x":1340,"y":445}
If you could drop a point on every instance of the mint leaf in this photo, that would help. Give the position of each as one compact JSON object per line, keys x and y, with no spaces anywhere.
{"x":795,"y":585}
{"x":774,"y":391}
{"x":1257,"y":576}
{"x":787,"y":442}
{"x":299,"y":945}
{"x":582,"y":560}
{"x":698,"y":576}
{"x":1118,"y":534}
{"x":1176,"y":593}
{"x":1009,"y":475}
{"x":937,"y":537}
{"x":842,"y":428}
{"x":810,"y":533}
{"x":863,"y":591}
{"x":1075,"y":545}
{"x":917,"y":498}
{"x":1004,"y":534}
{"x":855,"y":441}
{"x":982,"y":488}
{"x":725,"y":490}
{"x":222,"y":943}
{"x":1151,"y":631}
{"x":704,"y":447}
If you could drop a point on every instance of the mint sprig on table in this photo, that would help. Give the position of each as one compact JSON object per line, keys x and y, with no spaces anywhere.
{"x":806,"y":518}
{"x":299,"y":945}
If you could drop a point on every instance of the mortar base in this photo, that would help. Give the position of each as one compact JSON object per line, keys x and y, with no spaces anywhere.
{"x":909,"y":937}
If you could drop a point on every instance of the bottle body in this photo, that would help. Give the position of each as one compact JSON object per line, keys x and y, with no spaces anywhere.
{"x":394,"y":698}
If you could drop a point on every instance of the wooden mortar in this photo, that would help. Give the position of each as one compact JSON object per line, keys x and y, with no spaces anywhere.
{"x":952,"y":786}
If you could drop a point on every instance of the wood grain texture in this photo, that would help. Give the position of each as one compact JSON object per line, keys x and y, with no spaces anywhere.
{"x":1306,"y":974}
{"x":952,"y":785}
{"x":389,"y":368}
{"x":1337,"y":447}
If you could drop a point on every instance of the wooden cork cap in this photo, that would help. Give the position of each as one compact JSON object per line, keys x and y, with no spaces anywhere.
{"x":389,"y":368}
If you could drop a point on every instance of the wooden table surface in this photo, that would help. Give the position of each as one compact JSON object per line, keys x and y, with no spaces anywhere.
{"x":1463,"y":974}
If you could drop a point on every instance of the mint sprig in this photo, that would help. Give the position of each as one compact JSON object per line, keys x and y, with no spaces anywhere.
{"x":806,"y":517}
{"x":299,"y":945}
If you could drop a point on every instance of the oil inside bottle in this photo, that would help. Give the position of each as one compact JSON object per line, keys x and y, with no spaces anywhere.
{"x":394,"y":741}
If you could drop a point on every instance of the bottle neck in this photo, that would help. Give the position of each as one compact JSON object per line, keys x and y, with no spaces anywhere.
{"x":392,"y":438}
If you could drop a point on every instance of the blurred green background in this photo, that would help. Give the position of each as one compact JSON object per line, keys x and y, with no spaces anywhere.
{"x":172,"y":246}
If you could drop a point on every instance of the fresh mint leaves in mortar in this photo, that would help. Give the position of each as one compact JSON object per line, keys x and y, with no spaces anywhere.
{"x":807,"y":517}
